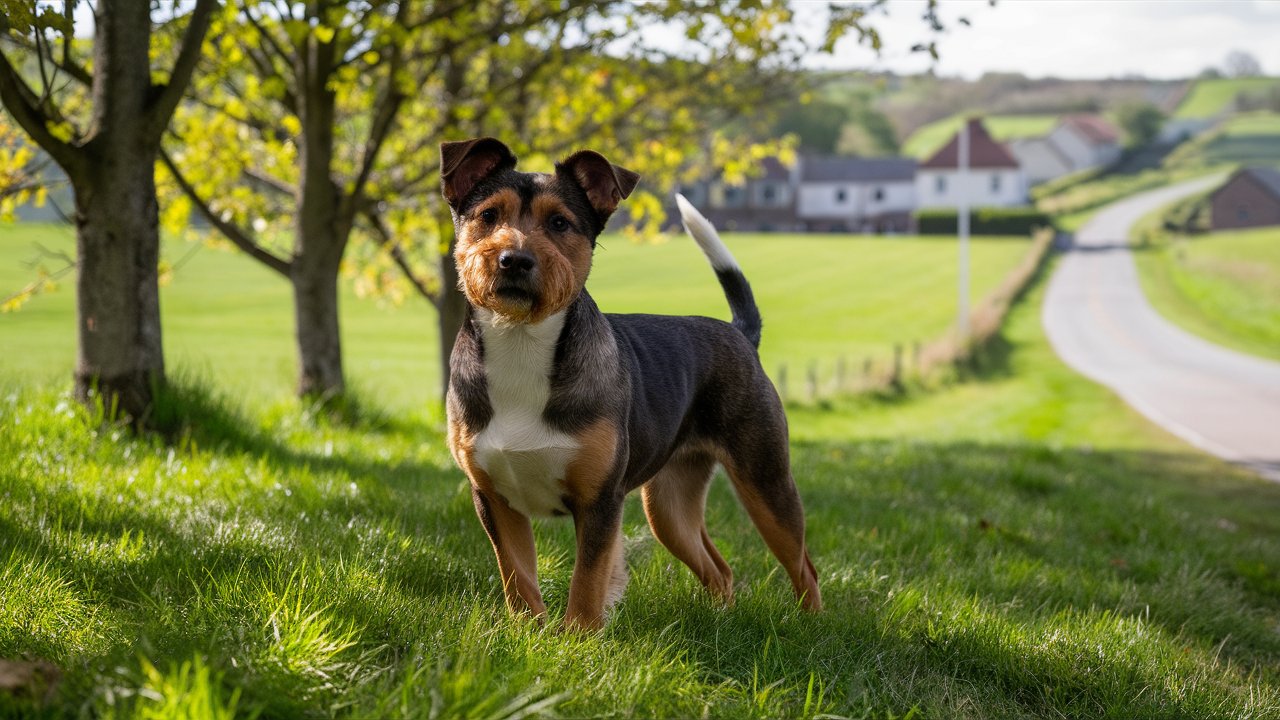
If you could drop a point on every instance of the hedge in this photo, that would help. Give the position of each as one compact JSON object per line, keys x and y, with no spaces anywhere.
{"x":984,"y":221}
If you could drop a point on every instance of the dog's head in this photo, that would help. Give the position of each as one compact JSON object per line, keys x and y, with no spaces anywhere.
{"x":524,"y":240}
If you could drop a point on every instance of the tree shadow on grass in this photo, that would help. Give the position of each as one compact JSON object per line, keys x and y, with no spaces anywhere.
{"x":1021,"y":536}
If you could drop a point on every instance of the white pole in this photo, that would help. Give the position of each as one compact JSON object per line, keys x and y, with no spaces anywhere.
{"x":962,"y":226}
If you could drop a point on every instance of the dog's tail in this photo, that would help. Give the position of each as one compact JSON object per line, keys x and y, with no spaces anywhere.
{"x":746,"y":316}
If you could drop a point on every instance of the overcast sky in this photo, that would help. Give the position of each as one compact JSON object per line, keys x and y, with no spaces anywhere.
{"x":1070,"y":38}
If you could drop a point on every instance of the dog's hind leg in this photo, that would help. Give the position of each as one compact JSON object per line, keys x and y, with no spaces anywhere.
{"x":675,"y":503}
{"x":761,"y":474}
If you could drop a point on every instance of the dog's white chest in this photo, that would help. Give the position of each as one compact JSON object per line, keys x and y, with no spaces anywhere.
{"x":524,"y":458}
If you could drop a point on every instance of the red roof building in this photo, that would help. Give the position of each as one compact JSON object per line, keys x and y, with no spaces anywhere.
{"x":984,"y":151}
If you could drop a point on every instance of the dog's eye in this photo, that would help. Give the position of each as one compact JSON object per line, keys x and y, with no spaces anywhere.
{"x":489,"y":215}
{"x":558,"y":223}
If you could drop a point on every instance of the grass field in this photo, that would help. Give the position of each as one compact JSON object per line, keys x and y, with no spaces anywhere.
{"x":1209,"y":97}
{"x":1252,"y":139}
{"x":926,"y":140}
{"x":822,"y":297}
{"x":1223,"y":286}
{"x":1019,"y":544}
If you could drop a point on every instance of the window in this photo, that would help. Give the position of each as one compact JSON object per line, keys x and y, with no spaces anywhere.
{"x":995,"y":184}
{"x":1242,"y":213}
{"x":769,"y":193}
{"x":877,"y":194}
{"x":841,"y":195}
{"x":940,"y":185}
{"x":733,"y":196}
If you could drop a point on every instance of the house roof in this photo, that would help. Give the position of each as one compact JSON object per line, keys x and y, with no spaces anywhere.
{"x":1268,"y":178}
{"x":838,"y":169}
{"x":774,"y":170}
{"x":984,"y":151}
{"x":1095,"y":128}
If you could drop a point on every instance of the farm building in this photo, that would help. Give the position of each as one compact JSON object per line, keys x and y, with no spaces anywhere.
{"x":994,"y":179}
{"x":1249,"y":198}
{"x":846,"y":194}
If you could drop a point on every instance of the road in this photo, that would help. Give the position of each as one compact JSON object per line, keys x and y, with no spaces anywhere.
{"x":1101,"y":324}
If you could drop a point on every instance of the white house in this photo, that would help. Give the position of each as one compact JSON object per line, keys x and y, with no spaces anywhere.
{"x":847,"y":194}
{"x":1088,"y":140}
{"x":1040,"y":159}
{"x":994,"y":178}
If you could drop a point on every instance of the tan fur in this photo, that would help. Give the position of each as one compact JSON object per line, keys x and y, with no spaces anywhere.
{"x":562,"y":263}
{"x":587,"y":472}
{"x":513,"y":544}
{"x":675,"y":503}
{"x":593,"y":590}
{"x":786,"y":544}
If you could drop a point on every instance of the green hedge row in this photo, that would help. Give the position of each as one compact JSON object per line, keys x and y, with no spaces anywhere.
{"x":984,"y":221}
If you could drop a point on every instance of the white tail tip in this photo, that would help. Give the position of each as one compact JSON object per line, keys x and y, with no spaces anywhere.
{"x":704,"y":233}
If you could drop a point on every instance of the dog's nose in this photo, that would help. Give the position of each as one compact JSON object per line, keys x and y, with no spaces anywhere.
{"x":516,"y":260}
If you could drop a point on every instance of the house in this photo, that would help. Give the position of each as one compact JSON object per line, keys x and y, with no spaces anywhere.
{"x":994,"y":177}
{"x":765,"y":203}
{"x":1040,"y":159}
{"x":1249,"y":198}
{"x":1087,"y":140}
{"x":848,"y":194}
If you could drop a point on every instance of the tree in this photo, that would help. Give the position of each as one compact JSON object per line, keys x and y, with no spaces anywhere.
{"x":1240,"y":64}
{"x":325,"y":119}
{"x":102,"y":122}
{"x":1141,"y":121}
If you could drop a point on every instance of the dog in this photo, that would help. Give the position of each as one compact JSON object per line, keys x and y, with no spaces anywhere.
{"x":555,"y":408}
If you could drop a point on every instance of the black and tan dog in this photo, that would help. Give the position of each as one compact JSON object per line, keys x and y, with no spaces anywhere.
{"x":556,"y":408}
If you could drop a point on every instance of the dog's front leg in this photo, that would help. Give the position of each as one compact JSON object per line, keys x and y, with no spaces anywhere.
{"x":599,"y":569}
{"x":512,"y":538}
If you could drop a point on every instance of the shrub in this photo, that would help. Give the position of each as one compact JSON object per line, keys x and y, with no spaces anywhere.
{"x":984,"y":221}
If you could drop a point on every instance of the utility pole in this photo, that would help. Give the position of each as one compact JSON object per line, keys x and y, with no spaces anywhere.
{"x":962,"y":227}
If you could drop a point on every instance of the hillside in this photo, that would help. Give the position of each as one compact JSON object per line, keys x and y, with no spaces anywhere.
{"x":926,"y":140}
{"x":1250,"y":139}
{"x":1210,"y":96}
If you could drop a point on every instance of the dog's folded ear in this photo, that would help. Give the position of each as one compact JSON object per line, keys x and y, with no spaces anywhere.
{"x":467,"y":162}
{"x":606,"y":184}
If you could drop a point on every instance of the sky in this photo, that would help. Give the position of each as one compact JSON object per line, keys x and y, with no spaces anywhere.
{"x":1067,"y":38}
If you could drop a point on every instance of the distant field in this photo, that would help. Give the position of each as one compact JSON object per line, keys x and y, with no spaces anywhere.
{"x":1211,"y":96}
{"x":1252,"y":139}
{"x":929,"y":138}
{"x":228,"y":319}
{"x":1222,"y":286}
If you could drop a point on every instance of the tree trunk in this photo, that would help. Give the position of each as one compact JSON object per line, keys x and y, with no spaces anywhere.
{"x":321,"y":231}
{"x":315,"y":302}
{"x":120,"y":355}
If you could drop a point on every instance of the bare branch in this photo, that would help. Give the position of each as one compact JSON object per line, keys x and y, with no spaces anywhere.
{"x":162,"y":107}
{"x":387,"y":240}
{"x":24,"y":106}
{"x":237,"y":235}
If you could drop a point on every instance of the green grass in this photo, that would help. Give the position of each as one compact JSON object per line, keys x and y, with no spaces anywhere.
{"x":1222,"y":286}
{"x":1252,"y":139}
{"x":1208,"y":97}
{"x":1073,"y":205}
{"x":1019,"y":544}
{"x":927,"y":139}
{"x":229,"y":319}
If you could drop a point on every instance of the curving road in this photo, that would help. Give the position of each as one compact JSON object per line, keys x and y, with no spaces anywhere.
{"x":1100,"y":323}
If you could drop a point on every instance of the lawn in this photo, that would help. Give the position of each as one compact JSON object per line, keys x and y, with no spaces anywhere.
{"x":1208,"y":97}
{"x":1017,"y":544}
{"x":228,"y":319}
{"x":1222,"y":286}
{"x":927,"y":139}
{"x":1252,"y":139}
